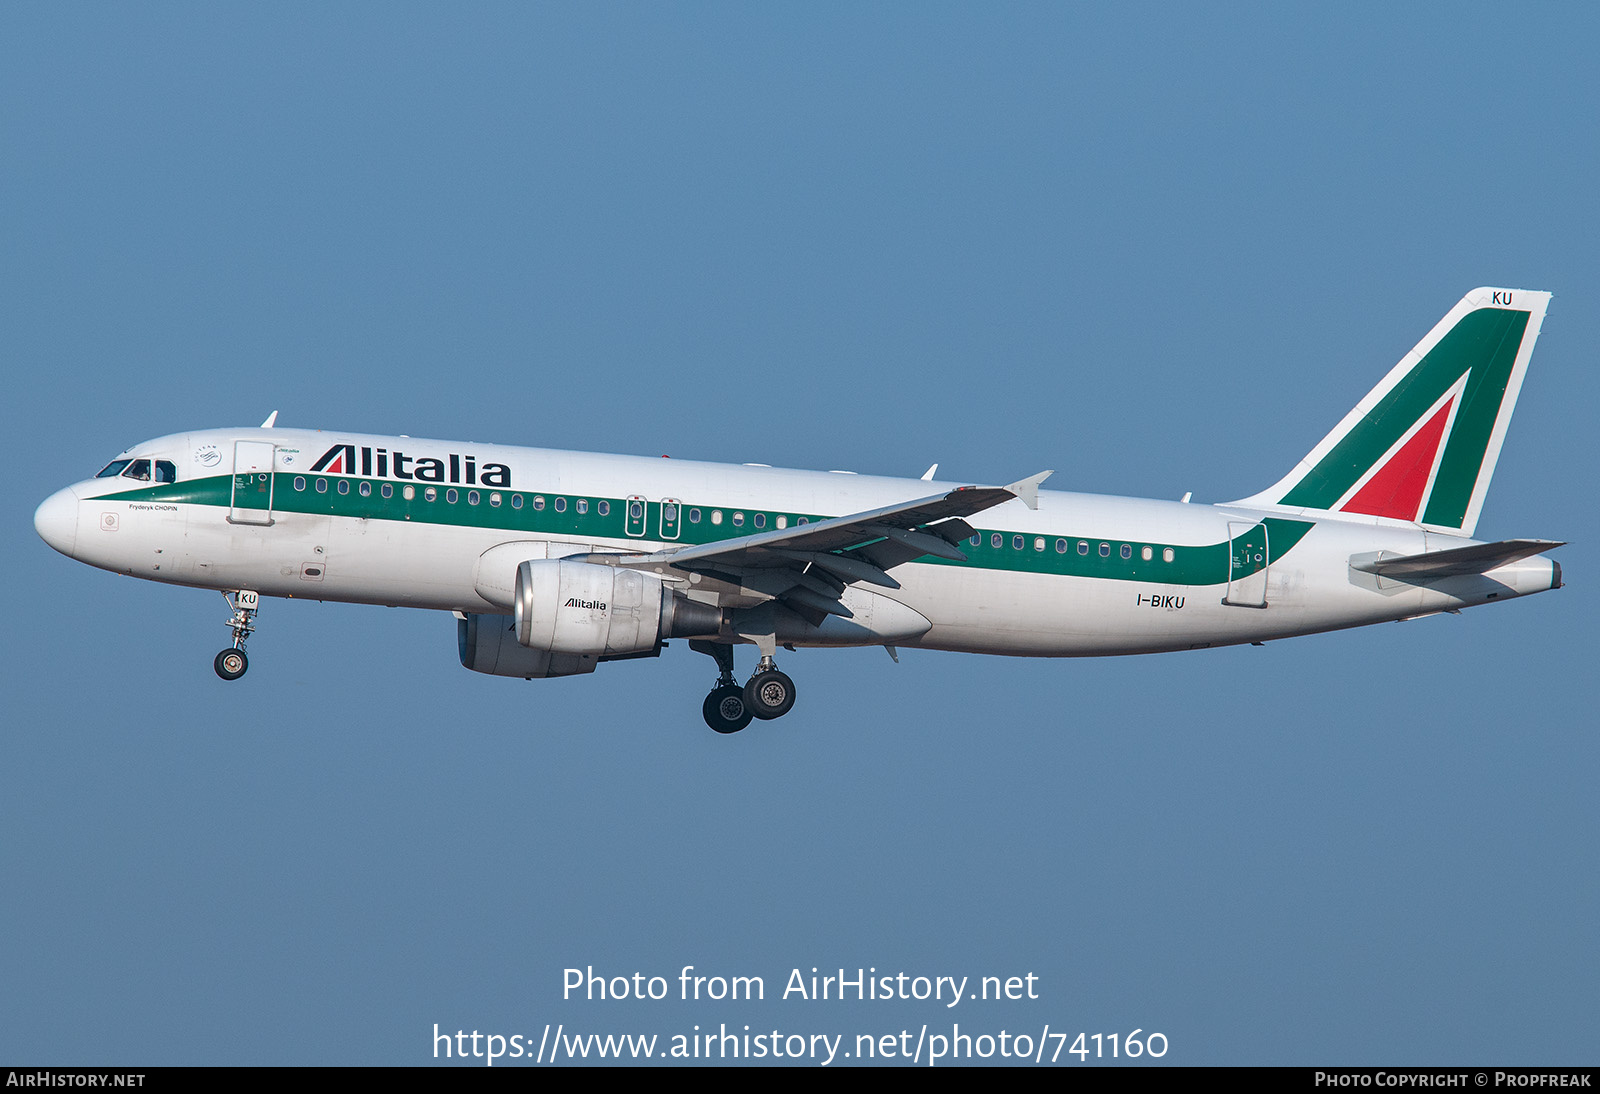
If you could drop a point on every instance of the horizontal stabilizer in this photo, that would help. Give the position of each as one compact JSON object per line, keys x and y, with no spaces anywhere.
{"x":1480,"y":558}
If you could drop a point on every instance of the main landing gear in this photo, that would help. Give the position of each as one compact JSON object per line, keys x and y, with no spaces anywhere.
{"x":724,"y":709}
{"x":729,"y":708}
{"x":231,"y":663}
{"x":769,"y":693}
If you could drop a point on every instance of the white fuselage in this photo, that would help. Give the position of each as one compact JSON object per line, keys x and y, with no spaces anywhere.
{"x":1079,"y":575}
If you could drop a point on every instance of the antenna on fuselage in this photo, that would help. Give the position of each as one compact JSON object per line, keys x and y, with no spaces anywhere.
{"x":271,"y":420}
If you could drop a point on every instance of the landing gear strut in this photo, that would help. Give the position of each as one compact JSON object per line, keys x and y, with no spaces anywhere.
{"x":231,"y":663}
{"x":724,"y":709}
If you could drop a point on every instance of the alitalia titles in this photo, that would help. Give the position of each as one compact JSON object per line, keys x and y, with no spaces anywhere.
{"x":348,"y":459}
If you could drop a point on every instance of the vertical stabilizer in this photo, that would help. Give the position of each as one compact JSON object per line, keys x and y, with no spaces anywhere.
{"x":1421,"y":447}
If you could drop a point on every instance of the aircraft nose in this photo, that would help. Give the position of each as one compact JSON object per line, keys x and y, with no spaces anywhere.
{"x":56,"y":520}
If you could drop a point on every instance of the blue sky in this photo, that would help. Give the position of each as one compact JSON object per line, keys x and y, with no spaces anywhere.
{"x":1159,"y":249}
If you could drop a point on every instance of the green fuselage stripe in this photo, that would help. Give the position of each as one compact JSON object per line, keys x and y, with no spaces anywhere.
{"x":1204,"y":564}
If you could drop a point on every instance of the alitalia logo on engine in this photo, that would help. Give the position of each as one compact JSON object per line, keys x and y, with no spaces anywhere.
{"x":347,"y":459}
{"x":594,"y":605}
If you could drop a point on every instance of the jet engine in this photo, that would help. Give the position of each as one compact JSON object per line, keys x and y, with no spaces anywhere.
{"x":569,"y":607}
{"x":488,"y":643}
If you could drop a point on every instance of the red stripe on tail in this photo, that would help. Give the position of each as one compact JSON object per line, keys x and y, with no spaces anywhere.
{"x":1396,"y":489}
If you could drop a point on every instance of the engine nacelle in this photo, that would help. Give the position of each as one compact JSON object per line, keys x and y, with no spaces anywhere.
{"x":569,"y":607}
{"x":488,"y":643}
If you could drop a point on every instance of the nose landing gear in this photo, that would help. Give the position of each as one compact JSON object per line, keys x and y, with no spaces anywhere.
{"x":231,"y":663}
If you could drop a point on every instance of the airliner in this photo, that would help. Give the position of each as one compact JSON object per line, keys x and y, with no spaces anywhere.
{"x":553,"y":562}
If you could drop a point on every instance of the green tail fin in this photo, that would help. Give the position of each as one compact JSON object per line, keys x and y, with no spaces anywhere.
{"x":1421,"y":447}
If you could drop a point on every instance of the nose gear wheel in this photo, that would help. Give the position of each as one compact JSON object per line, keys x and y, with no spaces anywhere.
{"x":231,"y":663}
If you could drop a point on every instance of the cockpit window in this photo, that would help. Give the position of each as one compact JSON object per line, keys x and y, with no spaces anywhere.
{"x":164,"y":470}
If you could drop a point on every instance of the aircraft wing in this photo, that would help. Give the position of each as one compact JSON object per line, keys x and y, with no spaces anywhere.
{"x":808,"y":566}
